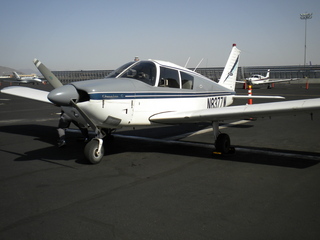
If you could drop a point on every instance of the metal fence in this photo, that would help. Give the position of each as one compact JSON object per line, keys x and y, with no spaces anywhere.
{"x":277,"y":72}
{"x":213,"y":73}
{"x":74,"y":76}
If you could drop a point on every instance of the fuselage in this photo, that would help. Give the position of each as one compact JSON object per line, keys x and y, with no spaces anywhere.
{"x":130,"y":95}
{"x":29,"y":80}
{"x":258,"y":79}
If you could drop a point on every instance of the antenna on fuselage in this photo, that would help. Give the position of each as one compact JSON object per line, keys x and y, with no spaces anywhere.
{"x":198,"y":65}
{"x":187,"y":62}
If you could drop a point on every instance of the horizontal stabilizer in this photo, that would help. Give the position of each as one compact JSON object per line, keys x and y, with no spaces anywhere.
{"x":26,"y":92}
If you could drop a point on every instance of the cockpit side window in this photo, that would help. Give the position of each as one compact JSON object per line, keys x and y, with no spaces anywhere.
{"x":143,"y":71}
{"x":186,"y":80}
{"x":169,"y":78}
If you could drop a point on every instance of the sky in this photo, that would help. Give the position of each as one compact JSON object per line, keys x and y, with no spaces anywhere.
{"x":104,"y":34}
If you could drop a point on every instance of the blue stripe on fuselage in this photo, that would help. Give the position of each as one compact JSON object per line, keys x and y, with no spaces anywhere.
{"x":152,"y":95}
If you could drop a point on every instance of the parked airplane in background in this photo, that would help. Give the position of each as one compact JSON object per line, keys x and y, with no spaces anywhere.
{"x":257,"y":79}
{"x":22,"y":79}
{"x":151,"y":92}
{"x":34,"y":79}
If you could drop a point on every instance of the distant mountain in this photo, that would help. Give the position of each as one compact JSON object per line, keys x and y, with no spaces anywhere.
{"x":29,"y":71}
{"x":8,"y":71}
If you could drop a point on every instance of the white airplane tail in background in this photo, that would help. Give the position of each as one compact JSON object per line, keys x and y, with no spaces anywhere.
{"x":16,"y":75}
{"x":268,"y":74}
{"x":229,"y":74}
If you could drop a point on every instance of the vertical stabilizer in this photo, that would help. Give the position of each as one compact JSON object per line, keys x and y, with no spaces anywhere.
{"x":268,"y":73}
{"x":16,"y":75}
{"x":229,"y":74}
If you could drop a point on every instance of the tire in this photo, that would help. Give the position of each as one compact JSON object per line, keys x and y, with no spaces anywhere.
{"x":90,"y":152}
{"x":223,"y":143}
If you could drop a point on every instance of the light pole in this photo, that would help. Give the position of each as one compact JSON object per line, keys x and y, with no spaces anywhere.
{"x":305,"y":17}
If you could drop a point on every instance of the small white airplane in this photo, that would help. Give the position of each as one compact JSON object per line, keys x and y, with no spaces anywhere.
{"x":21,"y":79}
{"x":34,"y":79}
{"x":151,"y":92}
{"x":257,"y":79}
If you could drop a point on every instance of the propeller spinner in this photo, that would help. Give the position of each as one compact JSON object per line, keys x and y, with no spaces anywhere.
{"x":63,"y":95}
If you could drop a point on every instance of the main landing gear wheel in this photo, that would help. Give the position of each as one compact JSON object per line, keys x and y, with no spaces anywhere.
{"x":94,"y":151}
{"x":223,"y":144}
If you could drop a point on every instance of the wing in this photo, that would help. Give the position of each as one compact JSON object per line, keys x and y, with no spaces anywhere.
{"x":26,"y":92}
{"x":239,"y":112}
{"x":282,"y":80}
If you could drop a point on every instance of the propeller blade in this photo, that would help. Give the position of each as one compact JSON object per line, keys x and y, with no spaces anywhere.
{"x":85,"y":116}
{"x":52,"y":79}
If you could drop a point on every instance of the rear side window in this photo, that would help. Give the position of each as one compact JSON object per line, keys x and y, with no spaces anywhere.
{"x":186,"y":80}
{"x":169,"y":78}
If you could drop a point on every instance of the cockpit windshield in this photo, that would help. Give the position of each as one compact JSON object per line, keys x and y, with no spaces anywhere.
{"x":119,"y":70}
{"x":144,"y":71}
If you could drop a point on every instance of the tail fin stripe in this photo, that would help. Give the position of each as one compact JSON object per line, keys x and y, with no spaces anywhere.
{"x":233,"y":69}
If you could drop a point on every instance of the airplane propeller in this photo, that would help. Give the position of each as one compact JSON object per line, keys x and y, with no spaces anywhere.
{"x":68,"y":96}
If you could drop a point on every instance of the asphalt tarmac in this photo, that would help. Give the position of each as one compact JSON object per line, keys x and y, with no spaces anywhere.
{"x":160,"y":183}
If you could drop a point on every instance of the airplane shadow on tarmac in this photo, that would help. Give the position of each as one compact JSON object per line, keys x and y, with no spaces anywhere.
{"x":120,"y":144}
{"x":44,"y":134}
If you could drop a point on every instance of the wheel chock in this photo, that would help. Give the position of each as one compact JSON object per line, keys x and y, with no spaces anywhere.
{"x":217,"y":153}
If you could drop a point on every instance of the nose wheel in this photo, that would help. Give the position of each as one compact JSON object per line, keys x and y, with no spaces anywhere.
{"x":94,"y":150}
